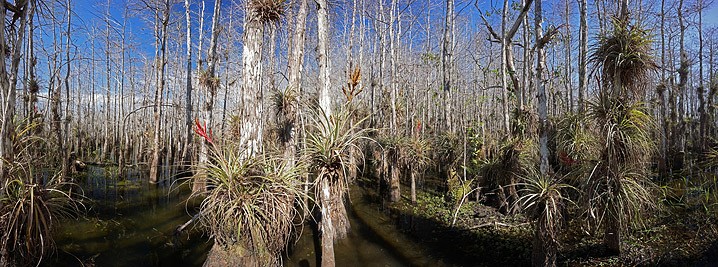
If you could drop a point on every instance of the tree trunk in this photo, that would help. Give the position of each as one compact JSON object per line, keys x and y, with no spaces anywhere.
{"x":210,"y":82}
{"x":395,"y":180}
{"x":683,"y":71}
{"x":294,"y":68}
{"x":413,"y":186}
{"x":544,"y":248}
{"x":701,"y":87}
{"x":582,"y":57}
{"x":159,"y":91}
{"x":662,"y":87}
{"x":323,"y":57}
{"x":55,"y":91}
{"x":66,"y":142}
{"x":252,"y":126}
{"x":541,"y":89}
{"x":233,"y":255}
{"x":612,"y":236}
{"x":446,"y":61}
{"x":106,"y":130}
{"x":186,"y":148}
{"x":326,"y":227}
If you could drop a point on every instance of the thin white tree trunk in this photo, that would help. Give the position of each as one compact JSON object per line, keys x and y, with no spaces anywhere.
{"x":323,"y":57}
{"x":159,"y":91}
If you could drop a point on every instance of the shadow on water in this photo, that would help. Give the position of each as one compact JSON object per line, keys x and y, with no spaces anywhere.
{"x":444,"y":245}
{"x":373,"y":240}
{"x":129,"y":222}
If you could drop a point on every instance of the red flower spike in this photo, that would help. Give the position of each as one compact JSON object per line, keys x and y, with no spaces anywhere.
{"x":202,"y":131}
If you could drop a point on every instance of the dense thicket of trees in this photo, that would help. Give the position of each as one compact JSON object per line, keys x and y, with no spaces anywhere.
{"x":134,"y":85}
{"x":105,"y":58}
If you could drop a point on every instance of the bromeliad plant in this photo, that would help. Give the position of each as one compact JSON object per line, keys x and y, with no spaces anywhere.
{"x":250,"y":204}
{"x":30,"y":206}
{"x":504,"y":166}
{"x":416,"y":158}
{"x":543,"y":200}
{"x":328,"y":142}
{"x":617,"y":191}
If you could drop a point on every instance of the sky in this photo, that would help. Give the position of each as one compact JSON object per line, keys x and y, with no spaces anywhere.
{"x":89,"y":13}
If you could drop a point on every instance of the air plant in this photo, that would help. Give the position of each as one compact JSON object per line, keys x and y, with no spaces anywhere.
{"x":574,"y":139}
{"x":30,"y":206}
{"x":504,"y":167}
{"x":29,"y":213}
{"x":329,"y":140}
{"x":268,"y":11}
{"x":250,"y":205}
{"x":209,"y":81}
{"x":617,"y":190}
{"x":624,"y":58}
{"x":415,"y":157}
{"x":285,"y":103}
{"x":543,"y":200}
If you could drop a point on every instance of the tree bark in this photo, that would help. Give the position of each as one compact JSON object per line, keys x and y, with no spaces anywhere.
{"x":701,"y":87}
{"x":252,"y":127}
{"x":393,"y":62}
{"x":210,"y":83}
{"x":323,"y":57}
{"x":413,"y":186}
{"x":582,"y":57}
{"x":64,"y":145}
{"x":159,"y":91}
{"x":326,"y":227}
{"x":295,"y":65}
{"x":446,"y":61}
{"x":504,"y":84}
{"x":541,"y":89}
{"x":612,"y":235}
{"x":186,"y":148}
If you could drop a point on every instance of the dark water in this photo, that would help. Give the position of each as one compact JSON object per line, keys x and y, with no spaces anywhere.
{"x":131,"y":223}
{"x":373,"y":240}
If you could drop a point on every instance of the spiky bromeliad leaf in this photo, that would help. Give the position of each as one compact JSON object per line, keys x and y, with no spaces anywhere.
{"x":624,"y":58}
{"x":624,"y":194}
{"x":330,"y":139}
{"x":575,"y":138}
{"x":543,"y":199}
{"x":251,"y":201}
{"x":624,"y":131}
{"x":30,"y":211}
{"x":30,"y":206}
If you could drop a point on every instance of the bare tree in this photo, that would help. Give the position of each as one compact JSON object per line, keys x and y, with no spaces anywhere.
{"x":294,"y":69}
{"x":162,"y":22}
{"x":582,"y":54}
{"x":188,"y":88}
{"x":210,"y":83}
{"x":446,"y":61}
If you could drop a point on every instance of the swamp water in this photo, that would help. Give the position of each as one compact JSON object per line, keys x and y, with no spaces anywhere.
{"x":132,"y":223}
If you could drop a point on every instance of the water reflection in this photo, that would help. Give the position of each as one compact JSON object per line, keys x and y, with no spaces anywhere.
{"x":129,"y":222}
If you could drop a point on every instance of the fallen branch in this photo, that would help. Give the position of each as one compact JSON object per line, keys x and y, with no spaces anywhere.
{"x":496,"y":225}
{"x":184,"y":225}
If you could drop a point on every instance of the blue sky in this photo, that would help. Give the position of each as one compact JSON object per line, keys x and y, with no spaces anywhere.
{"x":89,"y":12}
